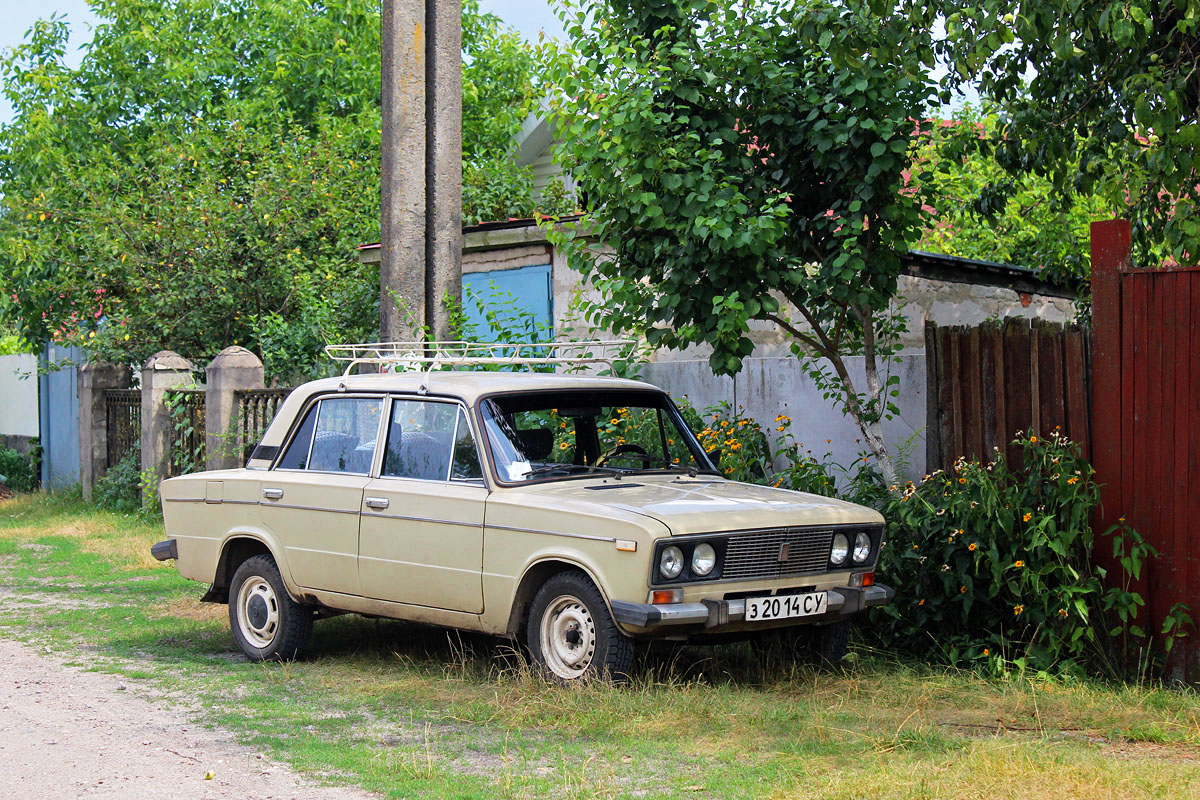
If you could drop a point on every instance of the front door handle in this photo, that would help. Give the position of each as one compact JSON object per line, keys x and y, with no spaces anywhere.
{"x":377,"y":502}
{"x":273,"y":494}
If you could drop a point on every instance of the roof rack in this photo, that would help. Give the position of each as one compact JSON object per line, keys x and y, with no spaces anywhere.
{"x":429,"y":356}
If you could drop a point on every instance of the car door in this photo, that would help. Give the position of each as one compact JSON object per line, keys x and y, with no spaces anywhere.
{"x":421,"y":537}
{"x":312,"y":496}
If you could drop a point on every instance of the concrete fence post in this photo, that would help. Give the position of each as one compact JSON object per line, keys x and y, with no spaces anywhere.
{"x":233,"y":369}
{"x":163,"y":371}
{"x":94,"y":380}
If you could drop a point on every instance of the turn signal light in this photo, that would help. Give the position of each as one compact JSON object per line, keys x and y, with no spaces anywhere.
{"x":663,"y":596}
{"x":868,"y":579}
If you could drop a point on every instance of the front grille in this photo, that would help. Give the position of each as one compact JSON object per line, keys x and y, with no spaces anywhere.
{"x":756,"y":555}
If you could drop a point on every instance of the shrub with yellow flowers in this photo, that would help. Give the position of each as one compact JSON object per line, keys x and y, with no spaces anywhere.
{"x":744,"y":452}
{"x":992,"y":565}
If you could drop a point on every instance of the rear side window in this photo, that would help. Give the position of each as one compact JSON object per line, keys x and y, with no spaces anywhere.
{"x":338,"y":435}
{"x":430,"y":441}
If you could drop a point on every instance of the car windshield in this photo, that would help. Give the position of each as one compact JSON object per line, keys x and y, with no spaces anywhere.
{"x":535,"y":436}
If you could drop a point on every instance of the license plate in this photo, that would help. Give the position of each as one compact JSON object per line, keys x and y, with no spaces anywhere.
{"x":759,"y":609}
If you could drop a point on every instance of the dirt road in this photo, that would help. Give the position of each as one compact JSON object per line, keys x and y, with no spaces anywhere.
{"x":65,"y":733}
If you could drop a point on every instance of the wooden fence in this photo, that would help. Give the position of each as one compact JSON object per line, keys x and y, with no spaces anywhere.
{"x":122,"y":422}
{"x":986,"y":383}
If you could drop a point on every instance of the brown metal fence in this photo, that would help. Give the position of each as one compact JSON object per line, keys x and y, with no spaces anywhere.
{"x":1148,"y":423}
{"x":187,"y":434}
{"x":255,"y":408}
{"x":985,"y":383}
{"x":122,"y":422}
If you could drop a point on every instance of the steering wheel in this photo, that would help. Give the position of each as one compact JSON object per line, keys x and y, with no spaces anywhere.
{"x":626,"y":449}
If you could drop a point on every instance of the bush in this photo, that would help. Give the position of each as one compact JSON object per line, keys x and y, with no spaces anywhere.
{"x":744,"y":452}
{"x":20,"y":470}
{"x":993,"y":565}
{"x":120,"y":488}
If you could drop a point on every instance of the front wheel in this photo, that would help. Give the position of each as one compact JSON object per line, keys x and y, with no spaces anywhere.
{"x":267,"y":624}
{"x":572,"y":635}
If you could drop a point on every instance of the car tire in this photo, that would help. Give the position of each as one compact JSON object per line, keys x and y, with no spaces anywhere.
{"x":267,"y":624}
{"x":571,"y":634}
{"x":830,"y":642}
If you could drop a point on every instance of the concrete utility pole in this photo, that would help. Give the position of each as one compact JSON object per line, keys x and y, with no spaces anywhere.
{"x":421,"y":166}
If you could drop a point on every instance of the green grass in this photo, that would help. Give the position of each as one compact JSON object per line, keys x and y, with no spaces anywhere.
{"x":411,"y":711}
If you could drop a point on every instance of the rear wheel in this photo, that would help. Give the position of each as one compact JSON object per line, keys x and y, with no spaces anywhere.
{"x":267,"y":624}
{"x":571,"y":634}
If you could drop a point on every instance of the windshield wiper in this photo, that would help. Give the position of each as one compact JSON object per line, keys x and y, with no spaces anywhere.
{"x":614,"y":471}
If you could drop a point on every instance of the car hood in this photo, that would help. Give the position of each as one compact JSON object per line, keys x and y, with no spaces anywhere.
{"x":699,"y":505}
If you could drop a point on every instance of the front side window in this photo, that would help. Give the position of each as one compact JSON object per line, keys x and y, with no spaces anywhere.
{"x":431,"y":441}
{"x":574,"y":433}
{"x":337,"y":435}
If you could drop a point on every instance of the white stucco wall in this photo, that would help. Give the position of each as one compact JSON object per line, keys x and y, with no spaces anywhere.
{"x":18,"y":395}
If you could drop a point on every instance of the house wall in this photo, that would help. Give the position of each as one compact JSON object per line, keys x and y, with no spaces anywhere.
{"x":768,"y":387}
{"x":18,"y":396}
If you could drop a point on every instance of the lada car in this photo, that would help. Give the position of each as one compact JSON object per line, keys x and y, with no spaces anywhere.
{"x":577,"y":515}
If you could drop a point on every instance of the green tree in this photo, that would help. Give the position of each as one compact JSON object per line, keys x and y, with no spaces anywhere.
{"x":982,"y":211}
{"x":203,"y":177}
{"x":746,"y":162}
{"x":1100,"y":97}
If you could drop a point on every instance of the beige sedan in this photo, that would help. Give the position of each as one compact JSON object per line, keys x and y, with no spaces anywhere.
{"x":576,"y":515}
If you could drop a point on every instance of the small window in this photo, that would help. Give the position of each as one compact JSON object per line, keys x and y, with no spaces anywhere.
{"x":466,"y":456}
{"x":296,"y":456}
{"x":338,"y":435}
{"x":430,"y":441}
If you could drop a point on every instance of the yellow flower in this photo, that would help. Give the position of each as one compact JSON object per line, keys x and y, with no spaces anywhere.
{"x":1028,"y":516}
{"x":972,"y":546}
{"x":563,"y":446}
{"x":1062,"y":612}
{"x":1072,"y":481}
{"x":987,"y":652}
{"x":962,"y":480}
{"x":1033,"y":439}
{"x":1018,"y":610}
{"x":916,"y":547}
{"x":1018,"y":564}
{"x":922,"y":602}
{"x":615,"y":421}
{"x":780,"y":429}
{"x":728,"y":470}
{"x":962,"y":590}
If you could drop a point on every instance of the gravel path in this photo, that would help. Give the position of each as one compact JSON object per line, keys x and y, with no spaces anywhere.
{"x":65,"y":733}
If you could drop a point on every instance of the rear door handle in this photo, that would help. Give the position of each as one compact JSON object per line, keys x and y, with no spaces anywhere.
{"x":273,"y":494}
{"x":377,"y":502}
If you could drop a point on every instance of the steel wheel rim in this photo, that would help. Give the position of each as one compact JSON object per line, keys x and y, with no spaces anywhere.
{"x":258,"y":636}
{"x":568,"y":637}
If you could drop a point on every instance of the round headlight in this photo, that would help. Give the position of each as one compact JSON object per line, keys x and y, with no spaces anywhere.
{"x":862,"y":547}
{"x":670,"y":563}
{"x":841,"y":549}
{"x":704,"y":558}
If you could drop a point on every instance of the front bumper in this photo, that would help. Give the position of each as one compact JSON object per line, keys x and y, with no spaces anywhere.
{"x":843,"y":601}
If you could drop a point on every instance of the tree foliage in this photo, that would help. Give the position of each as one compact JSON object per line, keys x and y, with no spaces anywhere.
{"x":746,"y":162}
{"x":1099,"y":97}
{"x":982,"y":211}
{"x":203,"y":177}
